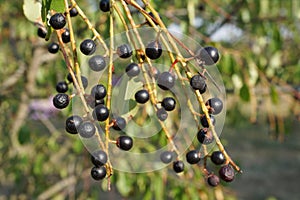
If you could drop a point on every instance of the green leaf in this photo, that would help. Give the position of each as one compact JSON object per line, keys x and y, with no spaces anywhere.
{"x":274,"y":95}
{"x":32,"y":10}
{"x":58,"y":6}
{"x":245,"y":93}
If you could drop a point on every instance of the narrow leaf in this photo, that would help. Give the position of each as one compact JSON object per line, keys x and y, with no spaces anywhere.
{"x":245,"y":93}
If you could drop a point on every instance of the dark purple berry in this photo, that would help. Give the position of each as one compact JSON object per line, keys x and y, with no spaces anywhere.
{"x":73,"y":12}
{"x":119,"y":123}
{"x":132,"y":70}
{"x":98,"y":91}
{"x":87,"y":129}
{"x":88,"y":47}
{"x":207,"y":55}
{"x":162,"y":114}
{"x":99,"y":158}
{"x":226,"y":173}
{"x":53,"y":48}
{"x":213,"y":180}
{"x":62,"y":87}
{"x":165,"y":80}
{"x":193,"y":157}
{"x":41,"y":32}
{"x":98,"y":173}
{"x":204,"y":121}
{"x":97,"y":63}
{"x":57,"y":21}
{"x":215,"y":105}
{"x":61,"y":100}
{"x":124,"y":142}
{"x":218,"y":158}
{"x":65,"y":36}
{"x":204,"y":136}
{"x":197,"y":82}
{"x":104,"y":5}
{"x":141,"y":96}
{"x":178,"y":166}
{"x":73,"y":123}
{"x":124,"y":51}
{"x":100,"y":113}
{"x":168,"y":103}
{"x":153,"y":50}
{"x":167,"y":156}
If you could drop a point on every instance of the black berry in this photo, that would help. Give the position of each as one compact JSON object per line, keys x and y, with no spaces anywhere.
{"x":124,"y":51}
{"x":218,"y":158}
{"x":215,"y":105}
{"x":154,"y":72}
{"x":104,"y":5}
{"x":204,"y":121}
{"x":53,"y":47}
{"x":193,"y":157}
{"x":57,"y":21}
{"x":226,"y":173}
{"x":73,"y":12}
{"x":213,"y":180}
{"x":204,"y":136}
{"x":166,"y":156}
{"x":119,"y":123}
{"x":98,"y":173}
{"x":162,"y":114}
{"x":97,"y":63}
{"x":168,"y":103}
{"x":72,"y":124}
{"x":61,"y":100}
{"x":197,"y":82}
{"x":98,"y":91}
{"x":124,"y":142}
{"x":208,"y":55}
{"x":88,"y":47}
{"x":86,"y":129}
{"x":84,"y":80}
{"x":141,"y":96}
{"x":99,"y":158}
{"x":132,"y":70}
{"x":62,"y":87}
{"x":65,"y":36}
{"x":41,"y":32}
{"x":165,"y":80}
{"x":153,"y":50}
{"x":100,"y":112}
{"x":178,"y":166}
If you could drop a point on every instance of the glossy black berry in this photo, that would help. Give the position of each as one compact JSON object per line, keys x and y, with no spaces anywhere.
{"x":73,"y":123}
{"x":124,"y":142}
{"x":218,"y":158}
{"x":57,"y":21}
{"x":124,"y":51}
{"x":61,"y":100}
{"x":73,"y":12}
{"x":153,"y":50}
{"x":98,"y":91}
{"x":178,"y":166}
{"x":168,"y":103}
{"x":142,"y":96}
{"x":193,"y":157}
{"x":99,"y":158}
{"x":88,"y":47}
{"x":53,"y":48}
{"x":41,"y":32}
{"x":208,"y":55}
{"x":100,"y":113}
{"x":97,"y":63}
{"x":213,"y":180}
{"x":69,"y":78}
{"x":205,"y":136}
{"x":204,"y":121}
{"x":104,"y":5}
{"x":62,"y":87}
{"x":167,"y":156}
{"x":119,"y":123}
{"x":215,"y":105}
{"x":165,"y":80}
{"x":132,"y":70}
{"x":226,"y":173}
{"x":98,"y":173}
{"x":162,"y":114}
{"x":65,"y":36}
{"x":197,"y":82}
{"x":86,"y":129}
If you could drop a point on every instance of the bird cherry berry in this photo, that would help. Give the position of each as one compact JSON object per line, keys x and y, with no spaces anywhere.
{"x":119,"y":123}
{"x":213,"y":180}
{"x":99,"y":158}
{"x":124,"y":142}
{"x":72,"y":124}
{"x":41,"y":32}
{"x":124,"y":51}
{"x":215,"y":105}
{"x":226,"y":173}
{"x":53,"y":48}
{"x":57,"y":21}
{"x":165,"y":80}
{"x":87,"y":47}
{"x":168,"y":103}
{"x":62,"y":87}
{"x":98,"y":91}
{"x":73,"y":12}
{"x":167,"y":156}
{"x":61,"y":100}
{"x":100,"y":113}
{"x":132,"y":70}
{"x":204,"y":121}
{"x":205,"y":136}
{"x":193,"y":157}
{"x":98,"y":173}
{"x":86,"y":129}
{"x":161,"y":114}
{"x":197,"y":82}
{"x":97,"y":63}
{"x":65,"y":36}
{"x":218,"y":158}
{"x":104,"y":5}
{"x":153,"y":50}
{"x":142,"y":96}
{"x":178,"y":166}
{"x":208,"y":55}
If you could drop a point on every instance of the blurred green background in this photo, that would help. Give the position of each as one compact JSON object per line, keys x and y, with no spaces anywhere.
{"x":259,"y":45}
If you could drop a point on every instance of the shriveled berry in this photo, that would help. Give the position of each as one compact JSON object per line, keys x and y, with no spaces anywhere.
{"x":62,"y":87}
{"x":193,"y":157}
{"x":73,"y":123}
{"x":165,"y":80}
{"x":41,"y":32}
{"x":197,"y":82}
{"x":166,"y":156}
{"x":141,"y":96}
{"x":132,"y":70}
{"x":205,"y":136}
{"x":57,"y":21}
{"x":178,"y":166}
{"x":98,"y":173}
{"x":204,"y":121}
{"x":100,"y":113}
{"x":215,"y":105}
{"x":88,"y":47}
{"x":213,"y":180}
{"x":65,"y":36}
{"x":53,"y":48}
{"x":98,"y":91}
{"x":208,"y":55}
{"x":97,"y":63}
{"x":218,"y":158}
{"x":119,"y":123}
{"x":124,"y":142}
{"x":61,"y":100}
{"x":162,"y":114}
{"x":226,"y":173}
{"x":87,"y":129}
{"x":168,"y":103}
{"x":99,"y":158}
{"x":153,"y":50}
{"x":104,"y":5}
{"x":124,"y":51}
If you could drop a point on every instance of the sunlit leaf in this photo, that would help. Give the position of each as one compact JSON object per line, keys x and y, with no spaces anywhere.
{"x":57,"y":5}
{"x":32,"y":10}
{"x":245,"y":93}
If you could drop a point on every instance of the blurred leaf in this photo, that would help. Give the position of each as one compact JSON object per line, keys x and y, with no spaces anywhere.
{"x":77,"y":146}
{"x":122,"y":184}
{"x":274,"y":95}
{"x":38,"y":165}
{"x":24,"y":135}
{"x":32,"y":10}
{"x":57,"y":5}
{"x":245,"y":93}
